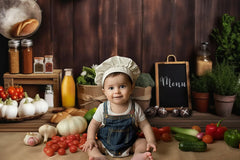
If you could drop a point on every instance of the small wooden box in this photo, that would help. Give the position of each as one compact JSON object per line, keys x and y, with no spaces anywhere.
{"x":36,"y":83}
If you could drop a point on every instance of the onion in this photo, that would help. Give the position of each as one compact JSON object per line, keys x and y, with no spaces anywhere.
{"x":200,"y":135}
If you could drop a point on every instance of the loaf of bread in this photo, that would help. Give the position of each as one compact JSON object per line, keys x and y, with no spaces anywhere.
{"x":57,"y":117}
{"x":24,"y":28}
{"x":76,"y":112}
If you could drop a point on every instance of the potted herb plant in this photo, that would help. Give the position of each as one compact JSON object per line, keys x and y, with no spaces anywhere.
{"x":88,"y":93}
{"x":200,"y":92}
{"x":225,"y":87}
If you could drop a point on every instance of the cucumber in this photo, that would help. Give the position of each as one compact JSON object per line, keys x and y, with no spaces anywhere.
{"x":194,"y":146}
{"x":184,"y":137}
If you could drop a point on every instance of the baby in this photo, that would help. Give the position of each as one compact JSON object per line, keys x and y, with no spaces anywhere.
{"x":116,"y":121}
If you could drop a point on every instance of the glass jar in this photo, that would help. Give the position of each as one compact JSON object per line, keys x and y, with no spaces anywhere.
{"x":68,"y":89}
{"x":38,"y":65}
{"x":49,"y":96}
{"x":203,"y":60}
{"x":27,"y":60}
{"x":13,"y":54}
{"x":48,"y":64}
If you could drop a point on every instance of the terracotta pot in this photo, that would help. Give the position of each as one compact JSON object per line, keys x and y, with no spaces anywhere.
{"x":224,"y":104}
{"x":201,"y":101}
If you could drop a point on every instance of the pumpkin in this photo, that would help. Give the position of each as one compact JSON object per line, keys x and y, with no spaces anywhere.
{"x":72,"y":125}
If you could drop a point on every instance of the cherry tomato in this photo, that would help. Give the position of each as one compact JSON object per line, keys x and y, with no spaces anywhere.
{"x":73,"y":149}
{"x":197,"y":128}
{"x":84,"y":135}
{"x":207,"y":138}
{"x":17,"y":89}
{"x":1,"y":89}
{"x":55,"y":147}
{"x":62,"y":144}
{"x":61,"y":151}
{"x":20,"y":96}
{"x":75,"y":142}
{"x":49,"y":143}
{"x":11,"y":90}
{"x":166,"y":137}
{"x":71,"y":137}
{"x":49,"y":151}
{"x":3,"y":95}
{"x":20,"y":89}
{"x":62,"y":138}
{"x":14,"y":97}
{"x":56,"y":138}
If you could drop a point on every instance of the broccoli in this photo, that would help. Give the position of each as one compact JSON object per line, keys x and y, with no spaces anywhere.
{"x":145,"y":80}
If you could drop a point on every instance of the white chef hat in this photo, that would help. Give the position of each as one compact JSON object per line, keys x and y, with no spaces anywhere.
{"x":116,"y":64}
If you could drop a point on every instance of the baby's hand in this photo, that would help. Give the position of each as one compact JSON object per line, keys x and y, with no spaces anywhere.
{"x":89,"y":144}
{"x":151,"y":147}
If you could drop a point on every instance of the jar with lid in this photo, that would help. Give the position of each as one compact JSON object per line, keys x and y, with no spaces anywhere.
{"x":48,"y":64}
{"x":27,"y":60}
{"x":49,"y":96}
{"x":203,"y":60}
{"x":13,"y":54}
{"x":68,"y":89}
{"x":38,"y":65}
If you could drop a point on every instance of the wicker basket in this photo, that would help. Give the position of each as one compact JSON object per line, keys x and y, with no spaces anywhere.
{"x":90,"y":96}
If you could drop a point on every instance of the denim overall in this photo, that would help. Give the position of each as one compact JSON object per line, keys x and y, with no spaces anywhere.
{"x":118,"y":132}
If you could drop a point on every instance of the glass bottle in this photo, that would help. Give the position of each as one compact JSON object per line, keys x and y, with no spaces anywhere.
{"x":68,"y":89}
{"x":49,"y":96}
{"x":27,"y":60}
{"x":203,"y":60}
{"x":48,"y":64}
{"x":13,"y":54}
{"x":38,"y":65}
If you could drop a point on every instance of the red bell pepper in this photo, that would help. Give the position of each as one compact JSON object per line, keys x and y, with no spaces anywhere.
{"x":216,"y":130}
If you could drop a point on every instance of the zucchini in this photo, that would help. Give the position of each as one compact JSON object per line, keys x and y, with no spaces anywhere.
{"x":197,"y":146}
{"x":184,"y":137}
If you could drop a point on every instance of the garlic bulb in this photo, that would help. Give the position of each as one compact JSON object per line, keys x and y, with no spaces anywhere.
{"x":9,"y":110}
{"x":47,"y":131}
{"x":26,"y":109}
{"x":41,"y":106}
{"x":32,"y":138}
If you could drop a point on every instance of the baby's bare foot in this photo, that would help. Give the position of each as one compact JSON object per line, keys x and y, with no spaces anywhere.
{"x":142,"y":156}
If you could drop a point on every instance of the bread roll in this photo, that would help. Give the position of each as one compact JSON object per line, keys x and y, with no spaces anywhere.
{"x":59,"y":116}
{"x":76,"y":112}
{"x":24,"y":28}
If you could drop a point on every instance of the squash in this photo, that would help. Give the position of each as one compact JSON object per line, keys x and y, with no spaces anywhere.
{"x":72,"y":125}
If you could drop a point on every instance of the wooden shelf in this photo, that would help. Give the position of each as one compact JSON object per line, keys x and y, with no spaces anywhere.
{"x":36,"y":83}
{"x":197,"y":118}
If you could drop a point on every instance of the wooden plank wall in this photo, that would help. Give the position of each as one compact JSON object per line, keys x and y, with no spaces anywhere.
{"x":86,"y":32}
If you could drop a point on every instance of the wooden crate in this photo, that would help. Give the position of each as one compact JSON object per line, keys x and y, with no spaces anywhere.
{"x":36,"y":83}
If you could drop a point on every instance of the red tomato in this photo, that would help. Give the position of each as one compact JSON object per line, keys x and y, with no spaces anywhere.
{"x":1,"y":89}
{"x":49,"y":143}
{"x":55,"y":147}
{"x":14,"y":97}
{"x":61,"y":151}
{"x":73,"y":149}
{"x":20,"y":89}
{"x":75,"y":142}
{"x":3,"y":95}
{"x":165,"y":129}
{"x":62,"y":138}
{"x":17,"y":89}
{"x":70,"y":144}
{"x":71,"y":137}
{"x":20,"y":96}
{"x":84,"y":135}
{"x":11,"y":90}
{"x":77,"y":136}
{"x":56,"y":138}
{"x":166,"y":137}
{"x":62,"y":144}
{"x":48,"y":151}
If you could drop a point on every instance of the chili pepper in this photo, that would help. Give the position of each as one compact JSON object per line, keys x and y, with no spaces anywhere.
{"x":216,"y":130}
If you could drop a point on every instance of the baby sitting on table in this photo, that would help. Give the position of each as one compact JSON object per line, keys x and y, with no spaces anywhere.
{"x":117,"y":120}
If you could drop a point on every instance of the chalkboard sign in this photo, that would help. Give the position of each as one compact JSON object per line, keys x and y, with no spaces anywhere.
{"x":172,"y":84}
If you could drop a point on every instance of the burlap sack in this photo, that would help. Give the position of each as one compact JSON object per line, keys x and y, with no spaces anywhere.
{"x":90,"y":96}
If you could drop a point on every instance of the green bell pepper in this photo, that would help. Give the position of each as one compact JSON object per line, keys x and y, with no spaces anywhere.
{"x":232,"y":137}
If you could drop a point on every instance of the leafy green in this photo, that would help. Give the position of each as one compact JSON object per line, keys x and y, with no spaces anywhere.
{"x":227,"y":37}
{"x":224,"y":79}
{"x":87,"y":76}
{"x":200,"y":84}
{"x":145,"y":80}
